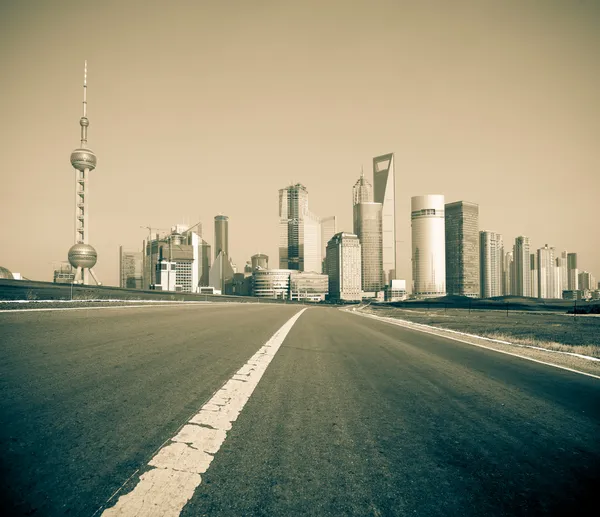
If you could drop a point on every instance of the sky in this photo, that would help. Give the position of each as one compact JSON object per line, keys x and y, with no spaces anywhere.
{"x":202,"y":108}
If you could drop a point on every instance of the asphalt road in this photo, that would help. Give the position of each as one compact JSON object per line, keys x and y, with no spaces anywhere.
{"x":352,"y":417}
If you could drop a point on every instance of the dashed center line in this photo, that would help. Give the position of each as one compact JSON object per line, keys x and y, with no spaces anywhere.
{"x":176,"y":468}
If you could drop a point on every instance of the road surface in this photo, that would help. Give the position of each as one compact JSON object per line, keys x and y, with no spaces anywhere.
{"x":352,"y":416}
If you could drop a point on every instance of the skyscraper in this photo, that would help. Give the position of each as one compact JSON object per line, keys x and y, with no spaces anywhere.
{"x":546,"y":272}
{"x":130,"y":269}
{"x":221,"y":235}
{"x":82,"y":255}
{"x":428,"y":246}
{"x":587,"y":281}
{"x":300,"y":231}
{"x":367,"y":226}
{"x":462,"y":248}
{"x":344,"y":267}
{"x":535,"y":291}
{"x":522,"y":267}
{"x":572,"y":272}
{"x":367,"y":222}
{"x":384,"y":183}
{"x":328,"y":230}
{"x":508,"y":270}
{"x":362,"y":192}
{"x":562,"y":274}
{"x":491,"y":253}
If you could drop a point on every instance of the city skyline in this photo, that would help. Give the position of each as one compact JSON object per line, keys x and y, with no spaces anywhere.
{"x":146,"y":133}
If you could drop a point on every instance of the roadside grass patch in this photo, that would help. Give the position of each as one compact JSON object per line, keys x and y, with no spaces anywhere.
{"x":552,"y":331}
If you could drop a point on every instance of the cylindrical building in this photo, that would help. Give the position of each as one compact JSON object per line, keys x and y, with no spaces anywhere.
{"x":368,"y":228}
{"x":271,"y":283}
{"x":428,"y":246}
{"x":260,"y":260}
{"x":221,"y":235}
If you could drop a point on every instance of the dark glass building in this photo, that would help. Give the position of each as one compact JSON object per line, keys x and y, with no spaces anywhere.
{"x":462,"y":248}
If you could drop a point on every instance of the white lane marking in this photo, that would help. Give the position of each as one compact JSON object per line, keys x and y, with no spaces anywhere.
{"x":439,"y":334}
{"x":165,"y":490}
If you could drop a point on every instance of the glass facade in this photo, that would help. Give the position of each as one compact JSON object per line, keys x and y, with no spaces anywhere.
{"x":130,"y":269}
{"x":368,"y":228}
{"x":308,"y":286}
{"x":384,"y":183}
{"x":299,"y":231}
{"x":462,"y":248}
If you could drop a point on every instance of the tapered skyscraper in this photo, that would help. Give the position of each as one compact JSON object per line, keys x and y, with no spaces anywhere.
{"x":82,"y":255}
{"x":384,"y":183}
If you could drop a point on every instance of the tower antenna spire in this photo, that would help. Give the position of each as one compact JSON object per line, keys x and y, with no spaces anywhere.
{"x":84,"y":122}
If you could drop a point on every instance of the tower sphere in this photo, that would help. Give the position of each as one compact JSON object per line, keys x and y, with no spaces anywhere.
{"x":82,"y":159}
{"x":83,"y":121}
{"x":82,"y":255}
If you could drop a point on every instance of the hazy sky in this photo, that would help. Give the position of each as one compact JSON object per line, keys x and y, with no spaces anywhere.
{"x":198,"y":108}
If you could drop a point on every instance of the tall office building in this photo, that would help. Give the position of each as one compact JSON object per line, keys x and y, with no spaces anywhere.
{"x":300,"y":231}
{"x":428,"y":246}
{"x":367,"y":226}
{"x":344,"y":267}
{"x":522,"y":267}
{"x":462,"y":248}
{"x":384,"y":183}
{"x":535,"y":291}
{"x":362,"y":192}
{"x":130,"y":269}
{"x":508,"y":274}
{"x":367,"y":222}
{"x":562,"y":274}
{"x":546,"y":272}
{"x":491,"y":253}
{"x":221,"y":235}
{"x":328,"y":230}
{"x":572,"y":272}
{"x":587,"y":282}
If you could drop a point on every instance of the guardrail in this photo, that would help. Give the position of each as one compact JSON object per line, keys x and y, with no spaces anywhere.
{"x":33,"y":290}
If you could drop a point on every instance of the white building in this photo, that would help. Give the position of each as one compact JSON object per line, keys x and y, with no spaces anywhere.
{"x":491,"y":255}
{"x":547,"y":274}
{"x":396,"y":291}
{"x":271,"y":283}
{"x":428,"y":246}
{"x":344,"y":267}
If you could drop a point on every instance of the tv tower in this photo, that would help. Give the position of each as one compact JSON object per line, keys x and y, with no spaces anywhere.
{"x":82,"y":255}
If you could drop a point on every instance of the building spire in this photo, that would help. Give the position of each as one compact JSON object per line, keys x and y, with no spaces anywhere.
{"x":84,"y":122}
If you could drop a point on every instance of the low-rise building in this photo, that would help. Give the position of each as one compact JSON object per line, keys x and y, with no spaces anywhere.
{"x":308,"y":286}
